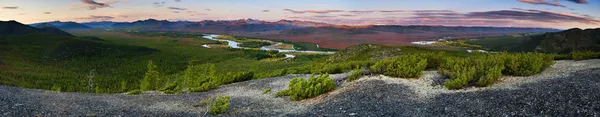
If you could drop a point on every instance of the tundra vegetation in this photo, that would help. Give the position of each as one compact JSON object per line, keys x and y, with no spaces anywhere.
{"x":135,"y":64}
{"x":300,"y":88}
{"x":217,"y":104}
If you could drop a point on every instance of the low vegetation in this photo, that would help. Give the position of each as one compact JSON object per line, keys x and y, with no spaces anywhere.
{"x":355,"y":75}
{"x":267,"y":90}
{"x":300,"y":88}
{"x":254,"y":44}
{"x":217,"y":104}
{"x":582,"y":55}
{"x":481,"y":70}
{"x":405,"y":66}
{"x":134,"y":92}
{"x":526,"y":64}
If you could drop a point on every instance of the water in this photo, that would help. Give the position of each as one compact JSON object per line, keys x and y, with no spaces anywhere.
{"x":234,"y":44}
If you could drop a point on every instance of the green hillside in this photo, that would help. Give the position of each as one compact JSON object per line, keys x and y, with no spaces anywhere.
{"x":118,"y":63}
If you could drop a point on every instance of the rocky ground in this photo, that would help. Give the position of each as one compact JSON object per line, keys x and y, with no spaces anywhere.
{"x":569,"y":88}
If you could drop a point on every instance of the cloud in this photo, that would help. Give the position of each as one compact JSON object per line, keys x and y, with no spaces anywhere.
{"x":97,"y":18}
{"x":207,"y":9}
{"x":533,"y":15}
{"x":194,"y":13}
{"x":177,"y":0}
{"x":324,"y":16}
{"x":553,"y":3}
{"x":159,"y":4}
{"x":578,"y":1}
{"x":361,"y":12}
{"x":123,"y":16}
{"x":313,"y":11}
{"x":392,"y":11}
{"x":92,"y":5}
{"x":347,"y":15}
{"x":47,"y":12}
{"x":175,"y":11}
{"x":265,"y":10}
{"x":177,"y":8}
{"x":10,"y":7}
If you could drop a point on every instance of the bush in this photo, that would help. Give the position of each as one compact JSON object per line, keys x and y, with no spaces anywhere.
{"x":134,"y":92}
{"x":171,"y":88}
{"x":300,"y":88}
{"x":355,"y":75}
{"x":481,"y":70}
{"x":267,"y":91}
{"x":218,"y":104}
{"x":151,"y":78}
{"x":406,"y":66}
{"x":324,"y":68}
{"x":56,"y":88}
{"x":525,"y":64}
{"x":582,"y":55}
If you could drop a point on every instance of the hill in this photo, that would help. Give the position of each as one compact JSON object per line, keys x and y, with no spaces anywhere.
{"x":103,"y":24}
{"x":62,"y":25}
{"x":552,"y":42}
{"x":16,"y":28}
{"x":323,"y":34}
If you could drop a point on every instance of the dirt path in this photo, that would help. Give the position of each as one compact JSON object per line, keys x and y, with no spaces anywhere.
{"x":569,"y":88}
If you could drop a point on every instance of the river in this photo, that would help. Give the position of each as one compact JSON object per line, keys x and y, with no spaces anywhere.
{"x":234,"y":44}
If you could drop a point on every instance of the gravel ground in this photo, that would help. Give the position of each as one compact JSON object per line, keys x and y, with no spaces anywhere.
{"x":569,"y":88}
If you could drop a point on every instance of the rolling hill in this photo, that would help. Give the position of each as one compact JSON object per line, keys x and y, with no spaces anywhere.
{"x":323,"y":34}
{"x":62,"y":25}
{"x":16,"y":28}
{"x":552,"y":42}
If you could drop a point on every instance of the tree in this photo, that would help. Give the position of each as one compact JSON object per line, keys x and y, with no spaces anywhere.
{"x":151,"y":78}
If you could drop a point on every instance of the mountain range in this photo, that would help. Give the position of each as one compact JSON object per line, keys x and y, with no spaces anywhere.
{"x":323,"y":34}
{"x":16,"y":28}
{"x":62,"y":25}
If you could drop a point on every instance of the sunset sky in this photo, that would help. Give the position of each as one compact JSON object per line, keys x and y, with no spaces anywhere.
{"x":503,"y":13}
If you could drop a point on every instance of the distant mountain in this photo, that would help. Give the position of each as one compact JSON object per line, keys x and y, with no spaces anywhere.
{"x":326,"y":35}
{"x":16,"y":28}
{"x":62,"y":25}
{"x":564,"y":41}
{"x":103,"y":24}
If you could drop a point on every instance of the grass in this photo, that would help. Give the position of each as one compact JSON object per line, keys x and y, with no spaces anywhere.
{"x":254,"y":44}
{"x":300,"y":88}
{"x":267,"y":90}
{"x":217,"y":104}
{"x":582,"y":55}
{"x":305,"y":46}
{"x":355,"y":75}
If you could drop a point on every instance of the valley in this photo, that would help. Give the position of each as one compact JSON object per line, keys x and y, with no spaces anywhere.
{"x":157,"y":67}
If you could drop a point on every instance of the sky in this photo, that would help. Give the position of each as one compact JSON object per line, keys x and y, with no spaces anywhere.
{"x":561,"y":14}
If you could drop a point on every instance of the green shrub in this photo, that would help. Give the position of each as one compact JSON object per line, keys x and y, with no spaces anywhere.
{"x":171,"y":88}
{"x":123,"y":86}
{"x":560,"y":56}
{"x":481,"y":70}
{"x":267,"y":91}
{"x":582,"y":55}
{"x":300,"y":88}
{"x":406,"y":66}
{"x":151,"y":78}
{"x":341,"y":67}
{"x":56,"y":88}
{"x":134,"y":92}
{"x":433,"y":59}
{"x":355,"y":75}
{"x":218,"y":104}
{"x":525,"y":64}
